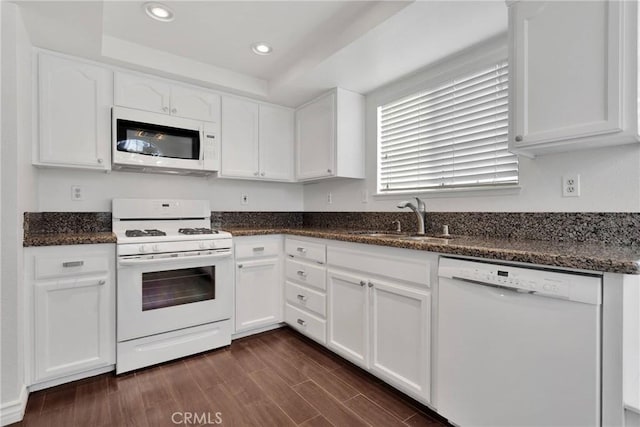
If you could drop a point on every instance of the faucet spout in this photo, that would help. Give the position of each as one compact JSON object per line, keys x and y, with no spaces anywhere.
{"x":419,"y":211}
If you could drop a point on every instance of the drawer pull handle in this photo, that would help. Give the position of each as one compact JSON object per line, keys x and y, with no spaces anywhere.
{"x":302,"y":322}
{"x":302,"y":250}
{"x":362,"y":283}
{"x":73,"y":264}
{"x":101,"y":282}
{"x":302,"y":298}
{"x":258,"y":248}
{"x":302,"y":273}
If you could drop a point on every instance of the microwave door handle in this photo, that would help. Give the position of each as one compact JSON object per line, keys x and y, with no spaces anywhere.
{"x":137,"y":261}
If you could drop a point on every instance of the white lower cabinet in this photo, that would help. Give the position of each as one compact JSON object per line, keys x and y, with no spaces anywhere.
{"x":73,"y":309}
{"x":348,"y":316}
{"x":258,"y":301}
{"x":380,"y":318}
{"x":400,"y":336}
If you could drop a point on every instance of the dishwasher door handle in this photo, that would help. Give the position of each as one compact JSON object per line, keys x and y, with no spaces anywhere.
{"x":491,"y":285}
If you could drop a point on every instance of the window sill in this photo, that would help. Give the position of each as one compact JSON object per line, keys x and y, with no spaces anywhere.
{"x":453,"y":192}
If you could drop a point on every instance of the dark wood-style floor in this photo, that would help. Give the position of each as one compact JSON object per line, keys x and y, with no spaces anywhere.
{"x":277,"y":378}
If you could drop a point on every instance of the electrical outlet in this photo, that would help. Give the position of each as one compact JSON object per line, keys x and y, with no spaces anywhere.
{"x":571,"y":185}
{"x":77,"y":193}
{"x":329,"y":198}
{"x":244,"y":199}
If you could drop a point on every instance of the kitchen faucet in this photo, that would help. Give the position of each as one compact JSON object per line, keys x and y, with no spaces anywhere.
{"x":420,"y":212}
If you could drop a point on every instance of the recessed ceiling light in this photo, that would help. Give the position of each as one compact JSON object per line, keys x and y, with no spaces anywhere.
{"x":261,"y":48}
{"x":159,"y":12}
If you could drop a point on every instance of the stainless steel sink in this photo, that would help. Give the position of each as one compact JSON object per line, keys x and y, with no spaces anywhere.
{"x":376,"y":234}
{"x":428,"y":239}
{"x":392,"y":235}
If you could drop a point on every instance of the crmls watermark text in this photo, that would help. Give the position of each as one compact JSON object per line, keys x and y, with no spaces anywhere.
{"x":196,"y":418}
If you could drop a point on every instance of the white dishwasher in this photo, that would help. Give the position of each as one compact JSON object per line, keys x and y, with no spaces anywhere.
{"x":517,"y":346}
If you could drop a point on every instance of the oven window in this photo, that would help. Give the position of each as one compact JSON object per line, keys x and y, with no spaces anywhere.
{"x":159,"y":141}
{"x":163,"y":289}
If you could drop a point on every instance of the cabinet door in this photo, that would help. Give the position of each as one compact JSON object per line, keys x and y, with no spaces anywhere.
{"x":347,"y":316}
{"x":566,"y":70}
{"x":195,"y":104}
{"x":276,"y":143}
{"x":258,"y":294}
{"x":75,"y":113}
{"x":239,"y":138}
{"x":316,"y":138}
{"x":142,"y":93}
{"x":74,"y":326}
{"x":400,"y":337}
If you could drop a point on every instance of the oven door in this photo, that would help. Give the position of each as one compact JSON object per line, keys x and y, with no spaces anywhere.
{"x":162,"y":295}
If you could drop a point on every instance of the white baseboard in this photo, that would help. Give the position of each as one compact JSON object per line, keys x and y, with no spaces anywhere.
{"x":13,"y":411}
{"x":70,"y":378}
{"x":256,"y":331}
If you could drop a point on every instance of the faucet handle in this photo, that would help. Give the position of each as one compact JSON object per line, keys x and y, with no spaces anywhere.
{"x":398,"y":227}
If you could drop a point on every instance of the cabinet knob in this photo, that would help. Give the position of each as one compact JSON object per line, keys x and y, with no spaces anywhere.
{"x":518,"y":138}
{"x":165,"y":109}
{"x":173,"y":110}
{"x":301,"y":322}
{"x":256,"y":173}
{"x":329,"y":170}
{"x":301,"y":273}
{"x":101,"y":282}
{"x":100,"y":161}
{"x":370,"y":285}
{"x":362,"y":283}
{"x":302,"y":298}
{"x":239,"y":265}
{"x":262,"y":174}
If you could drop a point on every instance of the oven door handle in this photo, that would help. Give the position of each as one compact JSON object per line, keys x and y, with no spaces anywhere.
{"x":136,"y":261}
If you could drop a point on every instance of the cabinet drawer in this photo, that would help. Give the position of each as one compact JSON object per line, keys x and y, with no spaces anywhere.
{"x":305,"y":297}
{"x":306,"y":323}
{"x":47,"y":267}
{"x":258,"y":248}
{"x":303,"y":272}
{"x":307,"y":250}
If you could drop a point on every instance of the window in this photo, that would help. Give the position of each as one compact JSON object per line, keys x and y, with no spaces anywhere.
{"x":450,"y":136}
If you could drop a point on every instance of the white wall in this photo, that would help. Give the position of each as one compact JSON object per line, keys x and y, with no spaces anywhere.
{"x":18,"y":183}
{"x":610,"y":177}
{"x":54,"y":191}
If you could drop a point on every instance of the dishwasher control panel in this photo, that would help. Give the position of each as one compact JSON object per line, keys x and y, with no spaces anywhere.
{"x":526,"y":280}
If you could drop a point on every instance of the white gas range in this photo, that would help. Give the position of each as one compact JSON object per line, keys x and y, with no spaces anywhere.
{"x":175,"y":281}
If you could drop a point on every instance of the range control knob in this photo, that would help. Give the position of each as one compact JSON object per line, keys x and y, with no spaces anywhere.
{"x":143,"y":249}
{"x":155,"y":248}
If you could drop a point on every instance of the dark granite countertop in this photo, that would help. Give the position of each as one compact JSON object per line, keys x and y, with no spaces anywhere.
{"x":585,"y":256}
{"x":57,"y":239}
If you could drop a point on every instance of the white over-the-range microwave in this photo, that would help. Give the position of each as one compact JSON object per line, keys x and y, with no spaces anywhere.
{"x":152,"y":142}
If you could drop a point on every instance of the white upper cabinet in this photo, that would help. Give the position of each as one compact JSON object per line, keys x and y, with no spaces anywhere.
{"x":239,"y":136}
{"x":140,"y":92}
{"x":573,"y":75}
{"x":74,"y":107}
{"x":148,"y":94}
{"x":195,"y":104}
{"x":330,"y":137}
{"x":276,"y":143}
{"x":257,"y":140}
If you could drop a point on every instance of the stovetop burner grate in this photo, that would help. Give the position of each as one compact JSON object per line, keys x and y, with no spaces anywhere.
{"x":201,"y":230}
{"x":141,"y":233}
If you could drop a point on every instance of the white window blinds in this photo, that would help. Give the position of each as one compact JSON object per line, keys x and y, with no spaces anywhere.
{"x":451,"y":136}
